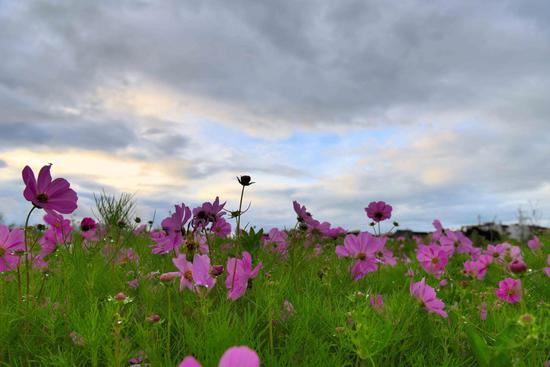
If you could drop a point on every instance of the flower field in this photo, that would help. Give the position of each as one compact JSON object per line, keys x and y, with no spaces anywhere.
{"x":198,"y":289}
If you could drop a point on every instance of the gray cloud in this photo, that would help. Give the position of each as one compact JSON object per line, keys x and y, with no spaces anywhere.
{"x":340,"y":66}
{"x":343,"y":62}
{"x":108,"y":136}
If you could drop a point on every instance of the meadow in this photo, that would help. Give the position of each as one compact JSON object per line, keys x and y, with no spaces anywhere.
{"x":116,"y":290}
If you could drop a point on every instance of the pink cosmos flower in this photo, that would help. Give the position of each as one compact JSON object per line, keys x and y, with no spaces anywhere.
{"x":439,"y":231}
{"x":185,"y":272}
{"x":288,"y":310}
{"x":241,"y":356}
{"x":503,"y":253}
{"x":140,"y":229}
{"x":384,"y":255}
{"x":483,"y":311}
{"x":377,"y":302}
{"x":50,"y":195}
{"x":238,"y":275}
{"x":456,"y":242}
{"x":174,"y":228}
{"x":202,"y":271}
{"x":432,"y":258}
{"x":478,"y":268}
{"x":207,"y":213}
{"x":428,"y":297}
{"x":517,"y":266}
{"x":378,"y":211}
{"x":547,"y":269}
{"x":10,"y":242}
{"x":221,"y":228}
{"x":362,"y":247}
{"x":88,"y":228}
{"x":276,"y":241}
{"x":509,"y":290}
{"x":58,"y":233}
{"x":301,"y":212}
{"x":192,"y":274}
{"x":534,"y":243}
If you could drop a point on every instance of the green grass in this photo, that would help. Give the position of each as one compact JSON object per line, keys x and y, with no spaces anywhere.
{"x":333,"y":324}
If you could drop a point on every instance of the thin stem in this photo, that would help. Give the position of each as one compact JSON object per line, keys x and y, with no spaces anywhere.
{"x":239,"y":217}
{"x":27,"y":254}
{"x":238,"y":242}
{"x":379,"y":233}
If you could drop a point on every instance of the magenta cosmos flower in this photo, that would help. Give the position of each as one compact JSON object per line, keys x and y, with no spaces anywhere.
{"x":44,"y":193}
{"x":10,"y":242}
{"x":478,"y":268}
{"x":238,"y":275}
{"x":241,"y":356}
{"x":509,"y":290}
{"x":362,"y":247}
{"x":207,"y":213}
{"x":428,"y":297}
{"x":301,"y":212}
{"x":378,"y":211}
{"x":88,"y":228}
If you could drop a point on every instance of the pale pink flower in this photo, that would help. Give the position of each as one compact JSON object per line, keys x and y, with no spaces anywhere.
{"x":276,"y":241}
{"x":547,"y":269}
{"x":428,"y":297}
{"x":10,"y":242}
{"x":376,"y":302}
{"x":239,"y":272}
{"x":221,"y":228}
{"x":363,"y":248}
{"x":534,"y":243}
{"x":483,"y":311}
{"x":233,"y":357}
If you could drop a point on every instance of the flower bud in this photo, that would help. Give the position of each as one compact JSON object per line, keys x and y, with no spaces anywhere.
{"x":518,"y":266}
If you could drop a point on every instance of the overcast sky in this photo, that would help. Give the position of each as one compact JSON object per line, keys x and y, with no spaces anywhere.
{"x":440,"y":108}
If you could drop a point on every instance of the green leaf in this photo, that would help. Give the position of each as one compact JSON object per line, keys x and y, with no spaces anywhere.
{"x":478,"y":345}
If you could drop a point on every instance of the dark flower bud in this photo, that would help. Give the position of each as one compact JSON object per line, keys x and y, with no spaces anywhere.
{"x":41,"y":227}
{"x":245,"y":180}
{"x":518,"y":266}
{"x":121,"y":224}
{"x":395,"y":224}
{"x":137,"y":220}
{"x":216,"y":270}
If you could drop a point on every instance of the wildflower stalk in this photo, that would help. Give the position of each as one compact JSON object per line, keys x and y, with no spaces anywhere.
{"x":27,"y":254}
{"x":169,"y":327}
{"x":238,"y":233}
{"x":239,"y":217}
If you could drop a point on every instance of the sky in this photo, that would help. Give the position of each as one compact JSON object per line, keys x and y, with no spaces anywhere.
{"x":439,"y":108}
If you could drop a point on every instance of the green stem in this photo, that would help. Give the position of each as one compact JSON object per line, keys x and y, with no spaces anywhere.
{"x":27,"y":254}
{"x":169,"y":325}
{"x":239,"y":217}
{"x":238,"y":234}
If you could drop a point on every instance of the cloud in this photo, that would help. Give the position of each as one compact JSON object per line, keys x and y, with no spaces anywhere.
{"x":429,"y":106}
